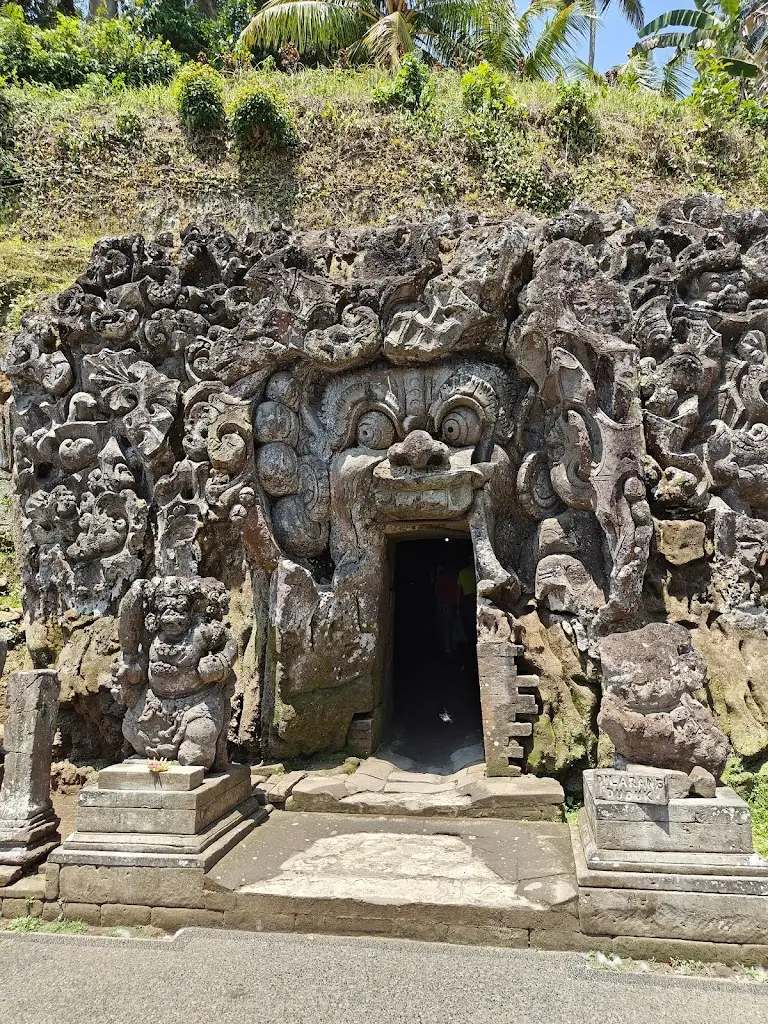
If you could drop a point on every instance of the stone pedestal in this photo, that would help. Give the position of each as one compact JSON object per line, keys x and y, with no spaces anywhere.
{"x":178,"y":818}
{"x":28,"y":826}
{"x":656,"y":866}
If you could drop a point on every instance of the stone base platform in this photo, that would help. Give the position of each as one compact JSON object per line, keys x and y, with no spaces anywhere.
{"x":503,"y":883}
{"x":175,"y":819}
{"x":681,"y":870}
{"x":25,"y":843}
{"x":381,"y":787}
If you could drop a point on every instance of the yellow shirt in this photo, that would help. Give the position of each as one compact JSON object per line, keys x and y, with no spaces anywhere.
{"x":467,"y":580}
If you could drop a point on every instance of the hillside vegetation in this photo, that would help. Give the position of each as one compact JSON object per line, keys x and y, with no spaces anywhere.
{"x":101,"y":159}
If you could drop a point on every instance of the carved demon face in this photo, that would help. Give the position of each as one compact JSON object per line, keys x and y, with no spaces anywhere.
{"x":420,"y":442}
{"x":726,"y":291}
{"x":379,"y":445}
{"x":174,"y":614}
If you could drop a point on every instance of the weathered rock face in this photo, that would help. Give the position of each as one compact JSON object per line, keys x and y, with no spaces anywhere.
{"x":648,"y":708}
{"x":586,"y":398}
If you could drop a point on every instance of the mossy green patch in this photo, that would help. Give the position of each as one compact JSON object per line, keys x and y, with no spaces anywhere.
{"x":30,"y":268}
{"x":36,"y":924}
{"x":751,"y":783}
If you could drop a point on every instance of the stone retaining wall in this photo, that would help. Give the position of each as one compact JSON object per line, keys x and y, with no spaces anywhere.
{"x":170,"y":899}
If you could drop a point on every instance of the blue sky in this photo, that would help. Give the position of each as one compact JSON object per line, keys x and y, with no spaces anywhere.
{"x":615,"y":36}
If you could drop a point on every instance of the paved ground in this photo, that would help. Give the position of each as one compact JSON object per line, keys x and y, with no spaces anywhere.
{"x":482,"y":862}
{"x":210,"y":977}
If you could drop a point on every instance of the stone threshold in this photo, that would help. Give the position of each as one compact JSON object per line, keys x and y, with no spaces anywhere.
{"x":383,"y":787}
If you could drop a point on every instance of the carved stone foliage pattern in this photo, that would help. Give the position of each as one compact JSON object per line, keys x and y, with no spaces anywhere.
{"x":587,"y":397}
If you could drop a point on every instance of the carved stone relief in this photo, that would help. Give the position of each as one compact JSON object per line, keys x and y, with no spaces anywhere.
{"x":568,"y":393}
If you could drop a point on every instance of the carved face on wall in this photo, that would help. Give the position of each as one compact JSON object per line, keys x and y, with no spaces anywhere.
{"x":725,"y":291}
{"x":174,"y":615}
{"x":417,"y":442}
{"x":422,"y":433}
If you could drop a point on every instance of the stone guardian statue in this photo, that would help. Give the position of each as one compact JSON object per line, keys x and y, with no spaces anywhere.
{"x":175,"y":672}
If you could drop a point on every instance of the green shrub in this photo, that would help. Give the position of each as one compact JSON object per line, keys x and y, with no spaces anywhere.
{"x":529,"y":182}
{"x":260,"y":118}
{"x":66,"y":55}
{"x":412,"y":88}
{"x":572,"y":119}
{"x":129,"y":128}
{"x":484,"y":90}
{"x":715,"y":93}
{"x":119,"y":50}
{"x":199,"y":93}
{"x":177,"y":22}
{"x":753,"y":114}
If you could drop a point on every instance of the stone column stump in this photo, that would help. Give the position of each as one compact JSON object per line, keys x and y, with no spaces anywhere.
{"x":28,"y":825}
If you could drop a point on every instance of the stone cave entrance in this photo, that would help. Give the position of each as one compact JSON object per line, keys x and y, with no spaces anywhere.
{"x":435,"y":693}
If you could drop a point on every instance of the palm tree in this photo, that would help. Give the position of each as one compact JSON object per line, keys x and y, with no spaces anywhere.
{"x":444,"y":30}
{"x":719,"y":26}
{"x":632,"y":11}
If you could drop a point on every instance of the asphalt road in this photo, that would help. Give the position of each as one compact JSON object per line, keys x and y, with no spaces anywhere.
{"x":207,"y":977}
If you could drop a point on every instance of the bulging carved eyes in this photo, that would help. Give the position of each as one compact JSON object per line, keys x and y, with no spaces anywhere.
{"x":375,"y":430}
{"x":461,"y":427}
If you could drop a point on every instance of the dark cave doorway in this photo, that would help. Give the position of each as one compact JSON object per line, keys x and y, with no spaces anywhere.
{"x":435,"y":689}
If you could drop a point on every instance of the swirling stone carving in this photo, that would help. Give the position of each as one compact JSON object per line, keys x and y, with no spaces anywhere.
{"x":276,"y":408}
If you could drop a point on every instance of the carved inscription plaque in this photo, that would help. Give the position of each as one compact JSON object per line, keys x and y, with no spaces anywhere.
{"x":631,"y":787}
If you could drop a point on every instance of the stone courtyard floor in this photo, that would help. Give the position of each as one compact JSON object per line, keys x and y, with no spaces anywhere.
{"x":463,"y":880}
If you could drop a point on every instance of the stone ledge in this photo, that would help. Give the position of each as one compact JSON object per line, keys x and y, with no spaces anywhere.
{"x":724,"y":873}
{"x":29,"y":887}
{"x":491,"y":932}
{"x":524,"y":798}
{"x":134,"y":775}
{"x":696,"y":916}
{"x":160,"y":850}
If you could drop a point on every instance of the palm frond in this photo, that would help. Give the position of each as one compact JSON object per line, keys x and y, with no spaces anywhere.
{"x":580,"y":69}
{"x":676,"y":76}
{"x":311,"y":25}
{"x":555,"y":41}
{"x":677,"y":19}
{"x":389,"y":39}
{"x":632,"y":10}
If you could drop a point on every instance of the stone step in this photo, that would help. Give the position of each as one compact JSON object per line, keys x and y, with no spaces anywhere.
{"x":519,"y":729}
{"x":524,"y":797}
{"x":526,"y":704}
{"x":528,"y":682}
{"x":513,"y":750}
{"x":406,"y":878}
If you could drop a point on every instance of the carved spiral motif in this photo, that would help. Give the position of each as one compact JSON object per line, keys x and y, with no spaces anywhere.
{"x":375,"y":430}
{"x":461,"y":427}
{"x":534,"y":487}
{"x":315,"y":488}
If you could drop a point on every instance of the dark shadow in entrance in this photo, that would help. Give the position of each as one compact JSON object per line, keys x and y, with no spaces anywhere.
{"x":435,"y":691}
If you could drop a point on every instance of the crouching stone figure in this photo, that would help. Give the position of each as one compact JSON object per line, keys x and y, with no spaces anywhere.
{"x":175,"y":672}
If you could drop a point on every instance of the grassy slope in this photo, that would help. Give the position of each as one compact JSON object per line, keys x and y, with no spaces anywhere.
{"x":95,"y":165}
